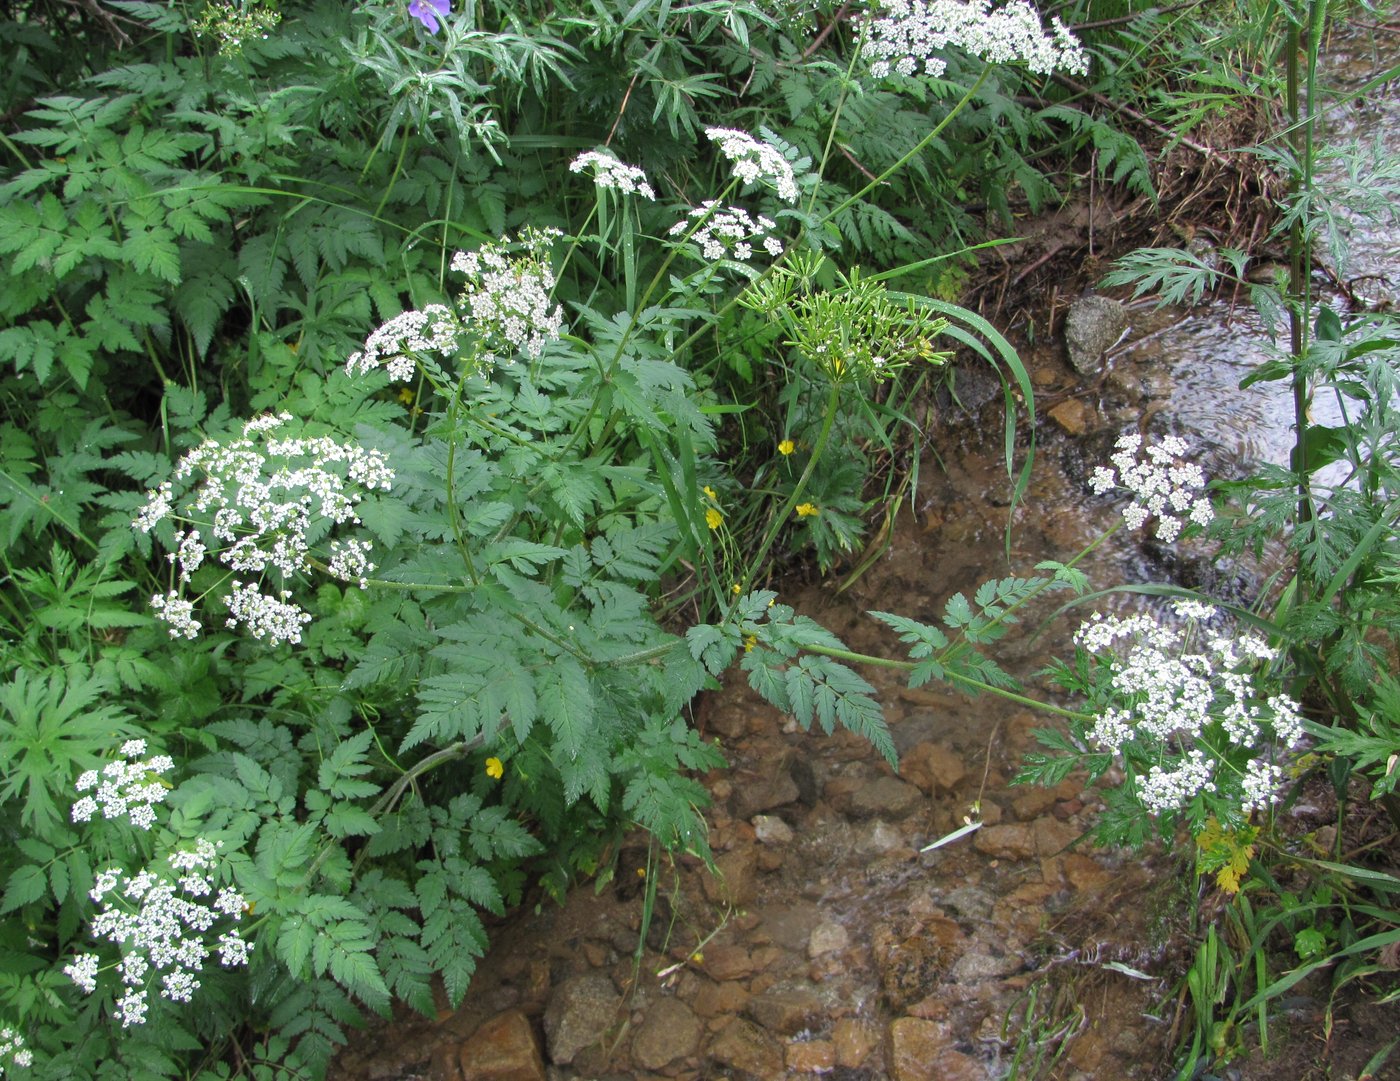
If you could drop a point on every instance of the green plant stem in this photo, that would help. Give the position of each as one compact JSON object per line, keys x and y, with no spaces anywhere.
{"x":751,"y":570}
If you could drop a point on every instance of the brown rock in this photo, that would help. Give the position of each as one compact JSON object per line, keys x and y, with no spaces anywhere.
{"x":727,"y":963}
{"x":737,"y":881}
{"x":1073,"y":416}
{"x":885,"y":797}
{"x":772,"y":830}
{"x":911,"y":964}
{"x":754,"y":794}
{"x":503,"y":1049}
{"x":580,"y":1011}
{"x":1053,"y":836}
{"x":1013,"y":841}
{"x":770,"y":859}
{"x":670,"y":1030}
{"x":786,"y":1011}
{"x":922,"y":1051}
{"x":853,"y":1040}
{"x":718,"y":999}
{"x":1032,"y":802}
{"x":1085,"y":874}
{"x":933,"y":768}
{"x":827,"y":937}
{"x":812,"y":1056}
{"x":744,"y":1046}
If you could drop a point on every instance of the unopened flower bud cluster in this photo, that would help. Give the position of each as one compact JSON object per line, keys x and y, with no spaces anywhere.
{"x":729,"y":231}
{"x":12,"y":1049}
{"x":254,"y":502}
{"x":613,"y":174}
{"x":909,"y":37}
{"x":755,"y":162}
{"x":1186,"y":698}
{"x":1160,"y":483}
{"x":127,"y":787}
{"x":161,"y":921}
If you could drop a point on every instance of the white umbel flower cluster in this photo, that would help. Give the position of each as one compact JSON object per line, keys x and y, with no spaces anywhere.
{"x":755,"y":162}
{"x":12,"y":1049}
{"x":1186,"y":698}
{"x":1161,"y":484}
{"x":253,"y":503}
{"x":611,"y":173}
{"x":506,"y":302}
{"x":128,"y":787}
{"x":729,"y":231}
{"x":160,"y":920}
{"x":908,"y":37}
{"x":432,"y":330}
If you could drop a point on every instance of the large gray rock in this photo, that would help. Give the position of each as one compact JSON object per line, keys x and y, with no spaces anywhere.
{"x":669,"y":1031}
{"x":1094,"y":326}
{"x":580,"y":1012}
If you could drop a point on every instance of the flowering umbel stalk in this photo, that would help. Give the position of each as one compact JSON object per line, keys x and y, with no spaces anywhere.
{"x":253,"y":503}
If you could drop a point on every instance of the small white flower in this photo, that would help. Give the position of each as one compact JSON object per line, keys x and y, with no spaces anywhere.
{"x":728,"y":231}
{"x":755,"y":162}
{"x":1157,"y":482}
{"x":609,"y":172}
{"x":83,"y":972}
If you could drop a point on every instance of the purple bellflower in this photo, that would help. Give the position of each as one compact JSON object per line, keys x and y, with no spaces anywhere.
{"x":428,"y":12}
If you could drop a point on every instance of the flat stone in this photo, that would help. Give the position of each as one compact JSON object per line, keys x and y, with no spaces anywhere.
{"x":827,"y":937}
{"x":724,"y":963}
{"x":786,"y":1011}
{"x":912,"y":964}
{"x":669,"y":1031}
{"x":1085,"y":874}
{"x":763,"y":793}
{"x":1032,"y":802}
{"x":1073,"y":416}
{"x":772,"y":830}
{"x":811,"y":1056}
{"x":1053,"y":836}
{"x":1011,"y":841}
{"x":920,"y":1050}
{"x":742,"y":1045}
{"x":933,"y":768}
{"x":790,"y":925}
{"x":580,"y":1011}
{"x":503,"y":1049}
{"x":885,"y":797}
{"x":718,"y":999}
{"x":853,"y":1040}
{"x":737,"y":881}
{"x":1094,"y":325}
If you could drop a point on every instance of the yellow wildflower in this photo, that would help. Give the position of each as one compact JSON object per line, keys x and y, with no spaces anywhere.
{"x":641,"y":872}
{"x":713,"y":518}
{"x":710,"y":492}
{"x":405,"y":396}
{"x":750,"y":640}
{"x":808,"y":510}
{"x":736,"y":589}
{"x":786,"y":447}
{"x":495,"y":769}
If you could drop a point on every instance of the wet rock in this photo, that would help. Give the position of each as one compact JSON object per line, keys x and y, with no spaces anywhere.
{"x":983,"y":962}
{"x":828,"y":937}
{"x":922,"y":1051}
{"x":503,"y":1049}
{"x":669,"y":1031}
{"x":719,"y":999}
{"x":885,"y":797}
{"x":1073,"y":416}
{"x":811,"y":1056}
{"x":933,"y":768}
{"x":1053,"y":836}
{"x":912,"y":964}
{"x":757,"y":794}
{"x":737,"y":881}
{"x":1094,"y":325}
{"x":580,"y":1011}
{"x":882,"y":837}
{"x":771,"y":830}
{"x":724,"y":963}
{"x":1030,"y":803}
{"x":1084,"y":874}
{"x":853,"y":1040}
{"x":786,"y":1011}
{"x":742,"y":1045}
{"x":1011,"y":841}
{"x":790,"y":925}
